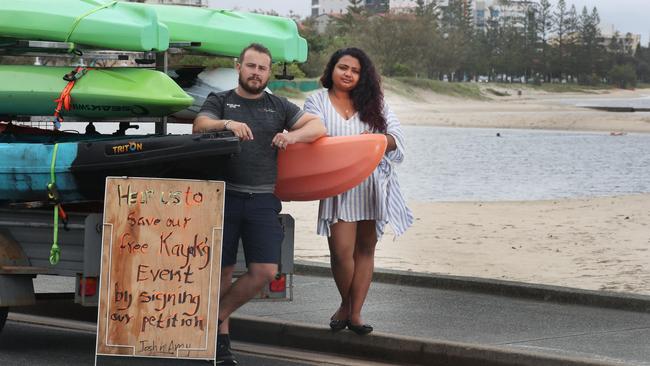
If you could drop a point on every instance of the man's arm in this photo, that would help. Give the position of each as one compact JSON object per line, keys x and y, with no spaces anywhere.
{"x":308,"y":128}
{"x":204,"y":123}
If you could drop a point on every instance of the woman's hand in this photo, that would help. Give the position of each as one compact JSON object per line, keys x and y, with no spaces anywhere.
{"x":391,"y":143}
{"x":283,"y":139}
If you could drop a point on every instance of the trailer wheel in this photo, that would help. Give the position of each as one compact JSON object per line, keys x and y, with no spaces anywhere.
{"x":3,"y":316}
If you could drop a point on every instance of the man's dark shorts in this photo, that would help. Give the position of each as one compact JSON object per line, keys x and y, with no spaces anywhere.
{"x":253,"y":217}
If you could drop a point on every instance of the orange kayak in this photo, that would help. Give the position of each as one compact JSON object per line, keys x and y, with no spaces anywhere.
{"x":328,"y":166}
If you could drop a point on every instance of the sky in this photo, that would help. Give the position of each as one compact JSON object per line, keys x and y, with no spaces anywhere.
{"x":626,"y":15}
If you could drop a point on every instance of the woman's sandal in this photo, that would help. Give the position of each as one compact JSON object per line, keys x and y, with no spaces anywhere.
{"x":362,"y":329}
{"x":337,"y":325}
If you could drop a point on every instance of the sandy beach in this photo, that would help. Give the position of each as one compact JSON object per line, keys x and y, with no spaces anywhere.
{"x":590,"y":243}
{"x":532,"y":110}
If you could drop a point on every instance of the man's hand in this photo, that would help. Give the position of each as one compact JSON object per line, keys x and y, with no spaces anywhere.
{"x":283,"y":139}
{"x":240,"y":129}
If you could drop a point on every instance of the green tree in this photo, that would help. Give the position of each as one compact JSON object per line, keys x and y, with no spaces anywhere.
{"x":512,"y":38}
{"x":293,"y":69}
{"x":536,"y":39}
{"x":494,"y":42}
{"x":530,"y":55}
{"x":317,"y":44}
{"x":573,"y":28}
{"x":590,"y":55}
{"x":561,"y":28}
{"x":623,"y":76}
{"x":426,"y":40}
{"x":642,"y":59}
{"x":353,"y":19}
{"x":544,"y":29}
{"x":457,"y":34}
{"x":388,"y":40}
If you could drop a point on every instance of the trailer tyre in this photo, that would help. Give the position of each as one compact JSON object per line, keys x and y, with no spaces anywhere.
{"x":3,"y":316}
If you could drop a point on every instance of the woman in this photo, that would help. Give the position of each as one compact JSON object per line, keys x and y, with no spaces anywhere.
{"x":353,"y":103}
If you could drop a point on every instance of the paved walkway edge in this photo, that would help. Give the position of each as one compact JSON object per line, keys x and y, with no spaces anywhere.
{"x":392,"y":348}
{"x":565,"y":295}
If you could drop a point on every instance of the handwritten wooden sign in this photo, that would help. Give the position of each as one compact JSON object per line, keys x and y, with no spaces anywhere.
{"x":161,"y":253}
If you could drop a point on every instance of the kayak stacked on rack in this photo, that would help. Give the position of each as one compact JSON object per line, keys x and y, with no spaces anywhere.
{"x":226,"y":33}
{"x":100,"y":93}
{"x":116,"y":25}
{"x":124,"y":26}
{"x":80,"y":164}
{"x":130,"y":26}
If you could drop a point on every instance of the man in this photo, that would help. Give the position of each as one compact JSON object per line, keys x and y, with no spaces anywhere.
{"x":251,"y":210}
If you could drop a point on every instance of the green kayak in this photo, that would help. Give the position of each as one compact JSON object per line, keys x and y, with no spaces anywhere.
{"x":100,"y":93}
{"x":226,"y":33}
{"x":98,"y":23}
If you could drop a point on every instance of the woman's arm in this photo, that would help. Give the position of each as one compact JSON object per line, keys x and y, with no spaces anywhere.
{"x":392,"y":144}
{"x":307,"y":129}
{"x":394,"y":135}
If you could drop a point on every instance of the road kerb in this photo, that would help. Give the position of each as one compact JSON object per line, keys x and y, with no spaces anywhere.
{"x":539,"y":292}
{"x":393,"y":348}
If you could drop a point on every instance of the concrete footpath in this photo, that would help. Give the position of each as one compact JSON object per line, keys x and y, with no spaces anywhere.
{"x":446,"y":320}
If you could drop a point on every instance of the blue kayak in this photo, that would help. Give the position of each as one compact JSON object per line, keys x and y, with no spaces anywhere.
{"x":82,"y":162}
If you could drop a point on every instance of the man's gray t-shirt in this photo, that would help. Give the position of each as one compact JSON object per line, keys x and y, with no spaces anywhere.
{"x":254,"y":170}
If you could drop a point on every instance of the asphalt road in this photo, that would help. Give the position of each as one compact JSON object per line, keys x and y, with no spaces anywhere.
{"x":58,"y":332}
{"x":32,"y":344}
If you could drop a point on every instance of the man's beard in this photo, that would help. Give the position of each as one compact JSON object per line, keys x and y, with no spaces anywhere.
{"x":251,"y":89}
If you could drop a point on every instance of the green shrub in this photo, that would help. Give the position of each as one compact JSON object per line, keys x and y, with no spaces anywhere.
{"x":400,"y":70}
{"x":292,"y":69}
{"x":591,"y":80}
{"x":623,"y":76}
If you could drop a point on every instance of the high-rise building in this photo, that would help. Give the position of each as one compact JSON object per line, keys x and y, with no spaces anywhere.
{"x":512,"y":11}
{"x":481,"y":13}
{"x":377,"y":6}
{"x":315,"y":8}
{"x":408,"y":6}
{"x":319,"y":7}
{"x":627,"y":42}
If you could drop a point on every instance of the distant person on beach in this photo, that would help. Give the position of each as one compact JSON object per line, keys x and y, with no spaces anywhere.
{"x":251,"y":209}
{"x":351,"y":104}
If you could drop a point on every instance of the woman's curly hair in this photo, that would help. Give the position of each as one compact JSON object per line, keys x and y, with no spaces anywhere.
{"x":367,"y":96}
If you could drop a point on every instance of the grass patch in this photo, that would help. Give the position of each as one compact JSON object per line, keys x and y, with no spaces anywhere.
{"x":399,"y":88}
{"x":567,"y":88}
{"x":460,"y":90}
